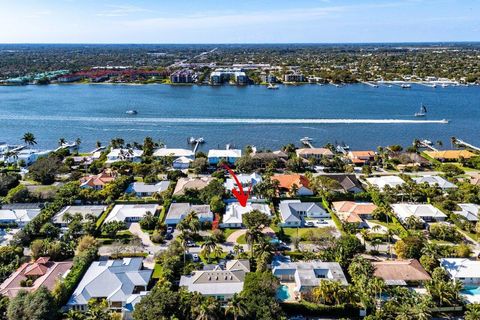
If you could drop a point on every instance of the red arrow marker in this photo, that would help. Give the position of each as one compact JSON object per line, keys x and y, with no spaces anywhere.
{"x":241,"y":196}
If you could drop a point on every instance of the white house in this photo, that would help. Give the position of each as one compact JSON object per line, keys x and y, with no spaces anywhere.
{"x":229,"y":155}
{"x":95,"y":211}
{"x":132,"y":155}
{"x":294,"y":212}
{"x":116,"y":281}
{"x":435,"y":181}
{"x":469,"y":211}
{"x":234,"y":212}
{"x":461,"y":269}
{"x":17,"y":216}
{"x":141,"y":189}
{"x":173,"y":153}
{"x":178,"y":211}
{"x":130,"y":212}
{"x":425,"y":212}
{"x":182,"y":163}
{"x":245,"y":180}
{"x":29,"y":156}
{"x":383,"y":181}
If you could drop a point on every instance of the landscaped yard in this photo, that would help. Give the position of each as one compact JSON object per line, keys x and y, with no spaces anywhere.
{"x":305,"y":234}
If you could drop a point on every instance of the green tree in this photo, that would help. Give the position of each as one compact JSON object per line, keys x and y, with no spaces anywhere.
{"x":29,"y":139}
{"x":259,"y":294}
{"x":236,"y":307}
{"x":36,"y":305}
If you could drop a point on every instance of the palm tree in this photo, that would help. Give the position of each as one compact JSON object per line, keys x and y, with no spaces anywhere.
{"x":252,"y":236}
{"x":98,"y":144}
{"x":61,"y":141}
{"x":218,"y":251}
{"x":208,"y":310}
{"x":208,"y":247}
{"x":192,"y":222}
{"x":264,"y":252}
{"x":293,"y":190}
{"x":237,"y":249}
{"x":184,"y":238}
{"x":236,"y":307}
{"x":473,"y":311}
{"x":78,"y":141}
{"x":29,"y":139}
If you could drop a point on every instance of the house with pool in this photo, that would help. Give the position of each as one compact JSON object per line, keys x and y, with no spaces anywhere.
{"x":468,"y":272}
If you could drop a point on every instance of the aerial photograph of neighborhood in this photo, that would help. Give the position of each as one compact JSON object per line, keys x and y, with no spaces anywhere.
{"x":239,"y":160}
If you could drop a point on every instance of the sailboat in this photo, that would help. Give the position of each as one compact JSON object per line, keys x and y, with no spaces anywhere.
{"x":422,"y":112}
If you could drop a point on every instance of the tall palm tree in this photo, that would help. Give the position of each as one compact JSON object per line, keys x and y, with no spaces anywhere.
{"x":208,"y":247}
{"x":29,"y":139}
{"x":184,"y":238}
{"x":264,"y":252}
{"x":208,"y":310}
{"x":236,"y":307}
{"x":252,"y":236}
{"x":61,"y":141}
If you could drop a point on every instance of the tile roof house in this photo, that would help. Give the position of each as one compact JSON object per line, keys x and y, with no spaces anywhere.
{"x":450,"y":155}
{"x":401,"y":272}
{"x":286,"y":182}
{"x":130,"y":212}
{"x":469,"y":211}
{"x":117,"y":281}
{"x":18,"y":216}
{"x":354,"y":212}
{"x":294,"y":212}
{"x":425,"y":212}
{"x":178,"y":211}
{"x":361,"y":157}
{"x":383,"y":181}
{"x":229,"y":155}
{"x":435,"y":181}
{"x":95,"y":211}
{"x":245,"y":179}
{"x":460,"y":269}
{"x":97,"y":181}
{"x":142,"y":189}
{"x":307,"y":275}
{"x":317,"y":153}
{"x":348,"y":182}
{"x":131,"y":155}
{"x":234,"y":213}
{"x":191,"y":183}
{"x":42,"y":272}
{"x":219,"y":283}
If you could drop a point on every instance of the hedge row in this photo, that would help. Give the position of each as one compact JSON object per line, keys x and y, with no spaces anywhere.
{"x":312,"y":309}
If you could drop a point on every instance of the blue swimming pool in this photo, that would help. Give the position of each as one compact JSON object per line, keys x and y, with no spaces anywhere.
{"x":471,"y":291}
{"x":282,"y":293}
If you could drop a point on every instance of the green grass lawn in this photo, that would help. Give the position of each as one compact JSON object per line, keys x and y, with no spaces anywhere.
{"x":228,"y":232}
{"x":242,"y":239}
{"x":303,"y":233}
{"x":394,"y":226}
{"x":157,"y":271}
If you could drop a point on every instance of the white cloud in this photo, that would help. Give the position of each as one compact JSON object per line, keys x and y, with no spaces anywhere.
{"x":121,"y":11}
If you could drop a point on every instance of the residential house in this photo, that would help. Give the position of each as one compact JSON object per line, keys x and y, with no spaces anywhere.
{"x":116,"y":281}
{"x":29,"y":156}
{"x":84,"y":211}
{"x":401,"y":272}
{"x":450,"y":155}
{"x":435,"y":181}
{"x":408,"y":159}
{"x":234,"y":213}
{"x":131,"y":155}
{"x":181,"y":163}
{"x":20,"y":217}
{"x":173,"y":153}
{"x":425,"y":212}
{"x":460,"y":269}
{"x":98,"y":181}
{"x":142,"y":189}
{"x":294,"y":212}
{"x":354,"y":212}
{"x":469,"y":211}
{"x":361,"y":157}
{"x":228,"y":155}
{"x":219,"y":283}
{"x":178,"y":211}
{"x":315,"y":153}
{"x":130,"y":212}
{"x":246,"y":180}
{"x":184,"y":184}
{"x":41,"y":272}
{"x":306,"y":275}
{"x":383,"y":181}
{"x":348,"y":182}
{"x":288,"y":181}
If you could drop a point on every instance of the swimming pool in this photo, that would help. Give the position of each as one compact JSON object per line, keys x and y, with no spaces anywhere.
{"x":471,"y":291}
{"x":282,"y":293}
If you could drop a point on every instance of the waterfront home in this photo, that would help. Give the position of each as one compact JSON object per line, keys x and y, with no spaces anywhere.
{"x":19,"y":217}
{"x":70,"y":211}
{"x":435,"y":181}
{"x":228,"y":155}
{"x":347,"y":182}
{"x":469,"y":211}
{"x":219,"y":283}
{"x":184,"y":184}
{"x":303,"y":276}
{"x":31,"y":275}
{"x":246,"y":180}
{"x":98,"y":181}
{"x":287,"y":182}
{"x":294,"y":212}
{"x":234,"y":213}
{"x":460,"y":269}
{"x":130,"y":212}
{"x":424,"y":212}
{"x":266,"y":157}
{"x":316,"y":153}
{"x":181,"y":163}
{"x":401,"y":272}
{"x":116,"y":281}
{"x":450,"y":155}
{"x":131,"y":155}
{"x":173,"y":153}
{"x":383,"y":181}
{"x":361,"y":157}
{"x":354,"y":212}
{"x":408,"y":159}
{"x":178,"y":211}
{"x":142,"y":189}
{"x":29,"y":156}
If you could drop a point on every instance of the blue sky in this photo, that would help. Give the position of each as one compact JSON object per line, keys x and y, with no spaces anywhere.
{"x":240,"y":21}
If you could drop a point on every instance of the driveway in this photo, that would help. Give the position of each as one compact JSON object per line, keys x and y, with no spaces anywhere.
{"x":135,"y":229}
{"x":232,"y":238}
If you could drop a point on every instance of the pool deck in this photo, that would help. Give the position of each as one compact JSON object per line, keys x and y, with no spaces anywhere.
{"x":291,"y":291}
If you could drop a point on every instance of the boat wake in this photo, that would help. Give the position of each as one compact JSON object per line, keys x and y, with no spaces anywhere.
{"x":219,"y":120}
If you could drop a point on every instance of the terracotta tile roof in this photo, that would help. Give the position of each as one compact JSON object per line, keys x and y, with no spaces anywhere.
{"x":100,"y":179}
{"x":406,"y":270}
{"x":36,"y":269}
{"x":362,"y":154}
{"x":286,"y":181}
{"x":450,"y":154}
{"x":316,"y":151}
{"x":359,"y":208}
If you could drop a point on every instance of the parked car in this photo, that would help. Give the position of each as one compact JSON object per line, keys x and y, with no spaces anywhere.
{"x":320,"y":222}
{"x":169,"y":229}
{"x":195,"y":257}
{"x":309,"y":224}
{"x":168,"y":236}
{"x":191,"y":244}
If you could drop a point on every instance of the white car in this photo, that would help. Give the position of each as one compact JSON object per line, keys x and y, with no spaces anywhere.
{"x":309,"y":224}
{"x":320,"y":222}
{"x":195,"y":257}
